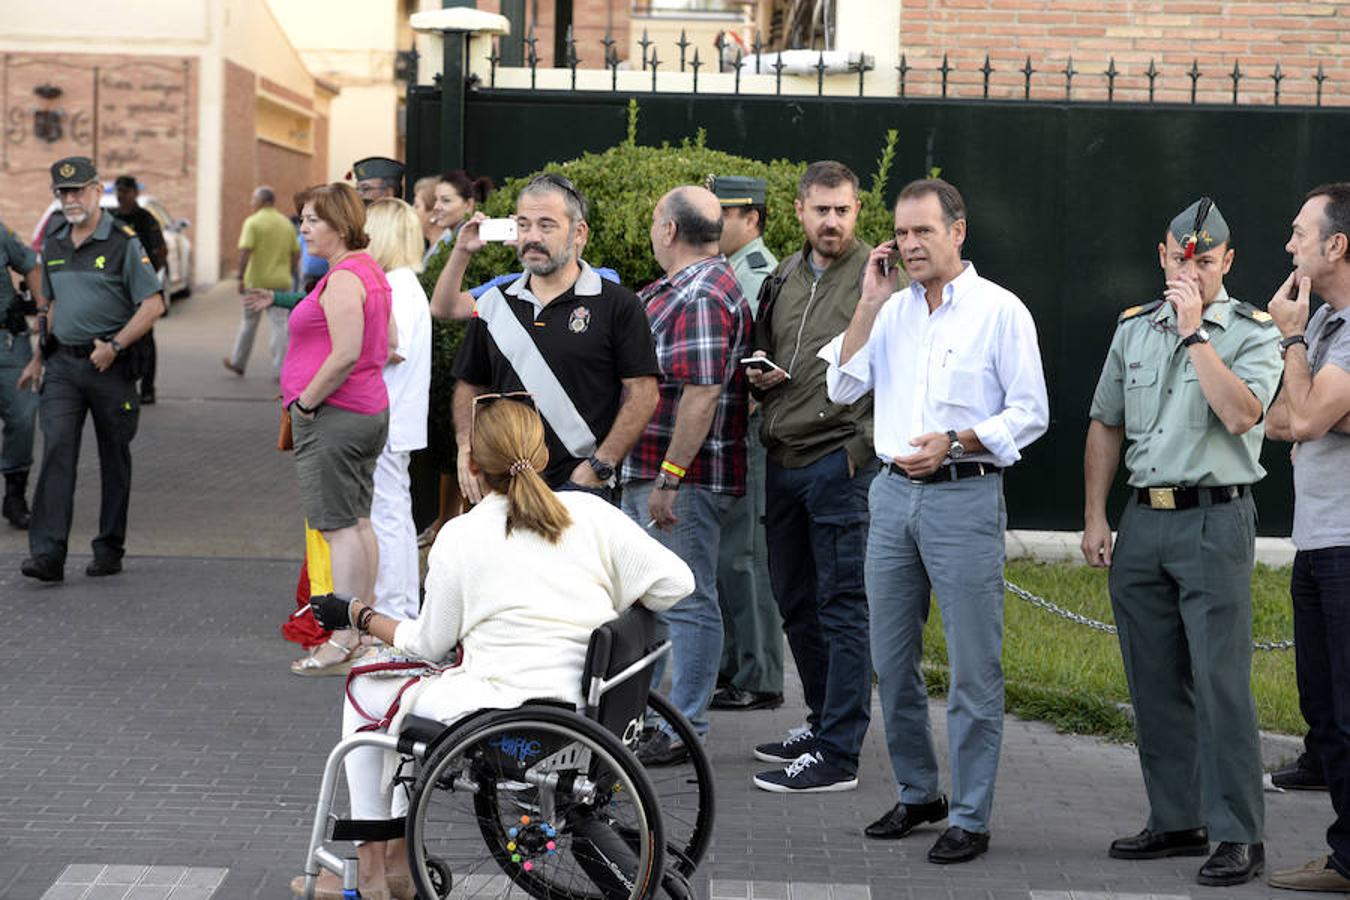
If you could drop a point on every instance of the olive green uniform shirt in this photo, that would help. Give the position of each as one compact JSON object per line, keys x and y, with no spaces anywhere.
{"x":751,"y":265}
{"x":1149,"y":385}
{"x":95,"y":288}
{"x":16,"y":255}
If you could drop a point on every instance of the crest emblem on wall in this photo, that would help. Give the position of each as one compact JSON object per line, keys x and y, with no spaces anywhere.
{"x":48,"y":120}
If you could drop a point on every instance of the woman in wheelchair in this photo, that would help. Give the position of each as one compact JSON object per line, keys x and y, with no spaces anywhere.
{"x":517,"y":585}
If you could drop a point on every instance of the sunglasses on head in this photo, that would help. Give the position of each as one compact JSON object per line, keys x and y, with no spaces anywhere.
{"x":559,"y":181}
{"x":524,"y":397}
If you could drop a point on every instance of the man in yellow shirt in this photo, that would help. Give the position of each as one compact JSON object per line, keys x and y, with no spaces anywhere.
{"x":269,"y":252}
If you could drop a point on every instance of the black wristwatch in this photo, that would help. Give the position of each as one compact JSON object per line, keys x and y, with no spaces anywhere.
{"x":309,"y":411}
{"x":117,"y":348}
{"x":1198,"y":336}
{"x":603,"y":470}
{"x":1291,"y":341}
{"x":667,"y":482}
{"x":957,"y":449}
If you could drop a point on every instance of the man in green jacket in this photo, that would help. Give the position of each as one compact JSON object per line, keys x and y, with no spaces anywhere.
{"x":819,"y":468}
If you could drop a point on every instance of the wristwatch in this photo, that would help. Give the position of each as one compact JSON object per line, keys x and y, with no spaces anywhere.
{"x":1198,"y":336}
{"x":1291,"y":341}
{"x":667,"y":482}
{"x":307,"y":410}
{"x":117,"y":348}
{"x":957,"y":449}
{"x":603,"y":470}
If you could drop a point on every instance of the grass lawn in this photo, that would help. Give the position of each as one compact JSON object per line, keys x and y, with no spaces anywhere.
{"x":1072,"y":675}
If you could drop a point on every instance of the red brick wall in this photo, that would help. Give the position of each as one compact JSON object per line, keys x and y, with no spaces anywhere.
{"x":240,"y":154}
{"x":132,"y":114}
{"x":1215,"y":33}
{"x":286,"y":171}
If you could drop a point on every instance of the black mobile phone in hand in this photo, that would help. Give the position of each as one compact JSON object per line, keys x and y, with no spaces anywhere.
{"x":890,"y":263}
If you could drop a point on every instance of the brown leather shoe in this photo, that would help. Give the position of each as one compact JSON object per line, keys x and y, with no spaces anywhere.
{"x":232,"y":367}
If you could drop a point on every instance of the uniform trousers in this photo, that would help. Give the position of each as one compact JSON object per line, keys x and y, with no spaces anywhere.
{"x":71,"y":388}
{"x":18,"y":408}
{"x":396,"y":589}
{"x":752,"y":646}
{"x":248,"y":329}
{"x":1180,"y":586}
{"x":1320,"y":588}
{"x":947,"y":539}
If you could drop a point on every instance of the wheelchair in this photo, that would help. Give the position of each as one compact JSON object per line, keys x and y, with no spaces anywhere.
{"x":542,"y":801}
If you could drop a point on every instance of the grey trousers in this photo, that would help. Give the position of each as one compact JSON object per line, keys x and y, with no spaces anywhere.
{"x":248,"y":330}
{"x":1181,"y":594}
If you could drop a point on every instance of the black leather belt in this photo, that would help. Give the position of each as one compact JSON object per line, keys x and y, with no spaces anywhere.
{"x":951,"y":472}
{"x":81,"y":350}
{"x":1188,"y":497}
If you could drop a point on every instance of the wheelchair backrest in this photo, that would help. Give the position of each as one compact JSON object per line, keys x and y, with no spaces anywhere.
{"x":618,"y":672}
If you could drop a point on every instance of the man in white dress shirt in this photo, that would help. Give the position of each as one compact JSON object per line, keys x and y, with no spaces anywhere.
{"x":955,"y":369}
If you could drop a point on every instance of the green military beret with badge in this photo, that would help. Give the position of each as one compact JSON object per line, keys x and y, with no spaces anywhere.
{"x":1199,"y":228}
{"x":377,"y":167}
{"x":737,"y":190}
{"x":73,"y":172}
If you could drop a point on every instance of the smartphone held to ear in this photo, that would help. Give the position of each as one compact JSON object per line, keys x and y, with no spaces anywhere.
{"x":890,"y":263}
{"x":498,"y":230}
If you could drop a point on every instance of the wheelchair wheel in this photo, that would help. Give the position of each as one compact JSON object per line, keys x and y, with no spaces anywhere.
{"x":535,"y":802}
{"x":684,"y":790}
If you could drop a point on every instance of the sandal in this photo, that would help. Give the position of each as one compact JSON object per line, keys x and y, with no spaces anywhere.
{"x":312,"y":666}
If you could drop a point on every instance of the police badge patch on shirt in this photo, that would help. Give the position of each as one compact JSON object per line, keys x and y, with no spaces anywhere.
{"x":580,"y":320}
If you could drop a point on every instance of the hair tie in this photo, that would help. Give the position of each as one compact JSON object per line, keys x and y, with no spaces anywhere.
{"x":519,"y":466}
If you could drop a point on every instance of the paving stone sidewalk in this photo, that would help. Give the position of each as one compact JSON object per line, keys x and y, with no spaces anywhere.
{"x":149,"y":720}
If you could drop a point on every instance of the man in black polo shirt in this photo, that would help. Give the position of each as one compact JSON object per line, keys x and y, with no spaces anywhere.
{"x":103,"y":296}
{"x":130,"y":211}
{"x":579,"y":344}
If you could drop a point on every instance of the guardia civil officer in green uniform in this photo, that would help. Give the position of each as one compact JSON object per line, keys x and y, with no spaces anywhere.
{"x":18,"y":405}
{"x":103,"y":296}
{"x":378,"y":177}
{"x":1187,"y":382}
{"x":751,"y":673}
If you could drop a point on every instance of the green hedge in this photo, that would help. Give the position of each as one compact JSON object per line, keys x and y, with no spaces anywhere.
{"x":623,"y":185}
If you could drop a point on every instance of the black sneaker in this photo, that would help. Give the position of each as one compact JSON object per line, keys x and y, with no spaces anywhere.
{"x":799,"y":740}
{"x":43,"y":569}
{"x":660,"y":749}
{"x":807,"y":774}
{"x":103,"y":566}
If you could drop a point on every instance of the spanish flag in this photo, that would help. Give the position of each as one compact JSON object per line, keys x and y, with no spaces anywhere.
{"x":316,"y":579}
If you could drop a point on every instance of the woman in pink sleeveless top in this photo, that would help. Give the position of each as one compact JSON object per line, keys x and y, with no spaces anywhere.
{"x":332,"y":384}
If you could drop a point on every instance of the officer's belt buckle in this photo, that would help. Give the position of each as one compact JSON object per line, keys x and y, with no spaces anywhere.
{"x":1162,"y":498}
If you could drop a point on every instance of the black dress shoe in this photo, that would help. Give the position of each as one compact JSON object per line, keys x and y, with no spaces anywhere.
{"x":43,"y":569}
{"x":105,"y":566}
{"x":735,"y":698}
{"x":1233,"y":863}
{"x":1303,"y":775}
{"x":1157,"y":844}
{"x":147,"y":397}
{"x":905,"y":817}
{"x":958,"y":845}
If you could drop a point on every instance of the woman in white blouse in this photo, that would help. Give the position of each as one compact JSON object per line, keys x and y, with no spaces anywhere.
{"x":518,"y":584}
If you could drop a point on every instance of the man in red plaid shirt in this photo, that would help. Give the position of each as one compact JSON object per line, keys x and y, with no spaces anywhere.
{"x":688,"y":467}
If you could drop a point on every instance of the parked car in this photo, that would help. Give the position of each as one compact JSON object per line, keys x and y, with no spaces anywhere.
{"x":178,"y":279}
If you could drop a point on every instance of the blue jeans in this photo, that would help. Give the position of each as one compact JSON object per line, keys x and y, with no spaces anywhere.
{"x":695,"y":623}
{"x":815,"y":522}
{"x":18,"y":409}
{"x":944,"y":538}
{"x":1320,"y":588}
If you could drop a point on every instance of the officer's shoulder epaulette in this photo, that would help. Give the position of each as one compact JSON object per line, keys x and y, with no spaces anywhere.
{"x":127,"y":229}
{"x":757,"y":260}
{"x":1142,"y":309}
{"x":1259,"y":316}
